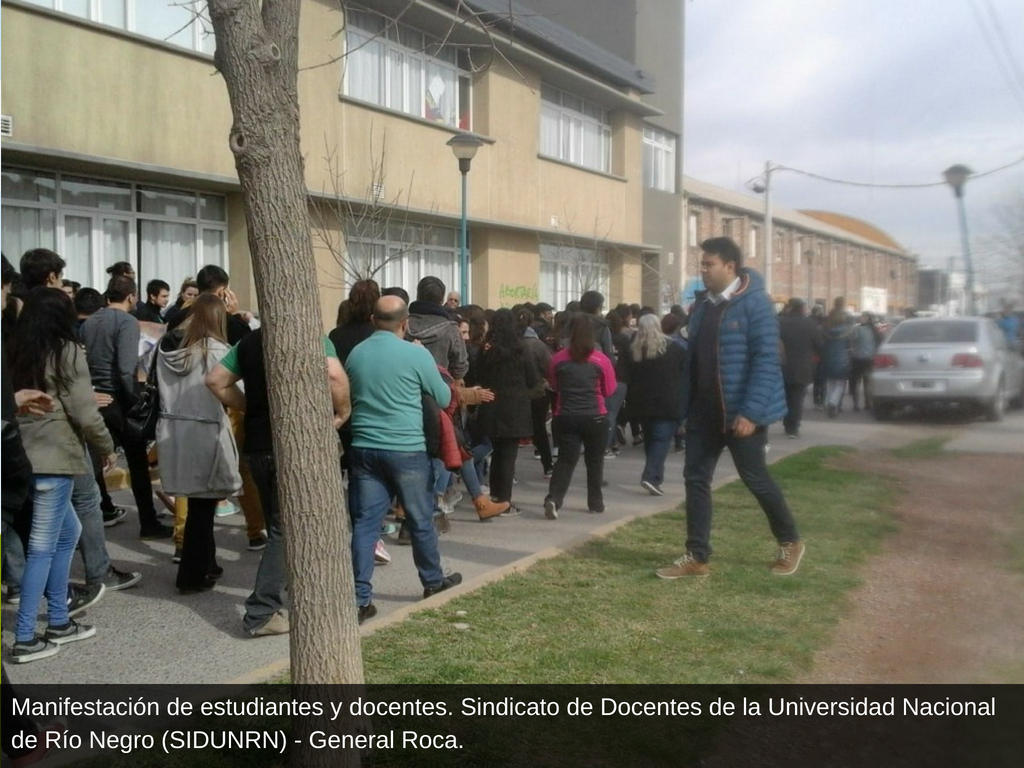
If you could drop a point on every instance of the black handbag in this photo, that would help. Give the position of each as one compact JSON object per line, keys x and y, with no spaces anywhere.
{"x":432,"y":426}
{"x":140,"y":420}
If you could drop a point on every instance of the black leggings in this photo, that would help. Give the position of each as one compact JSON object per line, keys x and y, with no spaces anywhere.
{"x":198,"y":550}
{"x":503,"y":467}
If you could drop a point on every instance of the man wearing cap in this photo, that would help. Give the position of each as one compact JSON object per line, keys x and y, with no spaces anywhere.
{"x":543,"y":323}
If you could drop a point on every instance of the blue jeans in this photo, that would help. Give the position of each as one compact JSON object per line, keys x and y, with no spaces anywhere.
{"x":469,"y":472}
{"x":86,"y":499}
{"x":614,"y":404}
{"x":55,"y":531}
{"x":441,"y":478}
{"x":658,"y":436}
{"x":377,"y":476}
{"x":705,"y":442}
{"x":271,"y":576}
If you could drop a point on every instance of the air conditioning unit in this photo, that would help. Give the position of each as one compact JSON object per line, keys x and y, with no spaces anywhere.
{"x":6,"y":125}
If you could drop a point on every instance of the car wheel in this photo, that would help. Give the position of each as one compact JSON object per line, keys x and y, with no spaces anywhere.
{"x":996,"y":407}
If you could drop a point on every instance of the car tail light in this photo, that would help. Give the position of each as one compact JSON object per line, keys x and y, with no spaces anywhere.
{"x":885,"y":361}
{"x":967,"y":360}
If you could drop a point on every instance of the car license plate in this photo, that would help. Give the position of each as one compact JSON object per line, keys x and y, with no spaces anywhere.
{"x":923,"y":385}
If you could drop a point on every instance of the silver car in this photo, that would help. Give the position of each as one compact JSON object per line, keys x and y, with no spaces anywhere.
{"x":956,"y":360}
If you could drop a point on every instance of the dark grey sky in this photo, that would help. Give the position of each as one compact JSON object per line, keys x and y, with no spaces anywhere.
{"x":864,"y":90}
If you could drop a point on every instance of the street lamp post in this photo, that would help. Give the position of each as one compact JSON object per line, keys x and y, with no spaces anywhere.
{"x":956,"y":176}
{"x":464,"y":147}
{"x":809,"y":255}
{"x":766,"y":189}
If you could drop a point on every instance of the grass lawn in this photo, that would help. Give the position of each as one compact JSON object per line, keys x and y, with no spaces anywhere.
{"x":597,"y":614}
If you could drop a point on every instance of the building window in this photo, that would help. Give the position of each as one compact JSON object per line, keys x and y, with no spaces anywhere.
{"x":574,"y":130}
{"x":397,"y":67}
{"x":568,"y":271}
{"x":752,"y":244}
{"x":92,"y":223}
{"x":401,"y":253}
{"x":183,"y":24}
{"x":798,"y":252}
{"x":659,"y":160}
{"x":835,"y":257}
{"x":693,"y":231}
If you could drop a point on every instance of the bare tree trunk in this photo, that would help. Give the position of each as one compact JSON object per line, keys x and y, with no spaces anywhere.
{"x":257,"y":54}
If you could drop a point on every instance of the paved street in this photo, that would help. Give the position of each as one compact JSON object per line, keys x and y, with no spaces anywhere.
{"x":152,"y":634}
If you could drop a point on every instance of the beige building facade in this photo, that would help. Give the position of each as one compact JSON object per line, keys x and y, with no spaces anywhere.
{"x":115,"y":149}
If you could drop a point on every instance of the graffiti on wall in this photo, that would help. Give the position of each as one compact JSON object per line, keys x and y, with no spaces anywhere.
{"x":510,"y":295}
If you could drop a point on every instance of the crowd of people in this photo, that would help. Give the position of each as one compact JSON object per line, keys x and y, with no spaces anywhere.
{"x":431,"y":397}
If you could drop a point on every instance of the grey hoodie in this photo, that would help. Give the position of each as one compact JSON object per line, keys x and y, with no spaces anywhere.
{"x":430,"y":325}
{"x":198,"y":456}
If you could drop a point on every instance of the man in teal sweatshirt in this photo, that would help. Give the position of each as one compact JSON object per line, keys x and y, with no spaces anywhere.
{"x":388,"y":378}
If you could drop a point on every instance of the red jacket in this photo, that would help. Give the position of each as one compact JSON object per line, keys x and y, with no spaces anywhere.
{"x":451,"y":452}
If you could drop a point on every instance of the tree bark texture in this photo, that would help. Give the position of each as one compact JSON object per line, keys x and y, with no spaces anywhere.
{"x":257,"y":54}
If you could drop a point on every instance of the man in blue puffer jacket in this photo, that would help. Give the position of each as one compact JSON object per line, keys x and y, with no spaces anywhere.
{"x":736,"y":391}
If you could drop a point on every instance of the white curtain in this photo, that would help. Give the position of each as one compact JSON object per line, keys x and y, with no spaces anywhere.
{"x":167,"y":251}
{"x":549,"y":120}
{"x":116,"y":241}
{"x":77,"y":249}
{"x":365,"y":68}
{"x":213,"y":247}
{"x":165,"y":21}
{"x":27,"y":228}
{"x":442,"y":264}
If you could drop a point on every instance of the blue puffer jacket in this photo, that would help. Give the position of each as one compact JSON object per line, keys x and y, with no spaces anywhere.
{"x":749,"y":366}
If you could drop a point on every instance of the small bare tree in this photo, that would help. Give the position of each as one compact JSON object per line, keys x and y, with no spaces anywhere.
{"x":344,"y":225}
{"x":580,"y":252}
{"x":1002,"y":254}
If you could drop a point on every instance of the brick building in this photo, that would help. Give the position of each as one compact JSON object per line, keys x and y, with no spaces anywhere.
{"x":817,"y":255}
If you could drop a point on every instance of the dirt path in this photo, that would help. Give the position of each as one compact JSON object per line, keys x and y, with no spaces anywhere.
{"x":944,"y":601}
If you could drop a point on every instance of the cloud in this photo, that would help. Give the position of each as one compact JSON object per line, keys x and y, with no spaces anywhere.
{"x":870,"y":91}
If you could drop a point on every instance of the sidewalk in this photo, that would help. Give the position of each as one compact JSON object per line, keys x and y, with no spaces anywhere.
{"x":150,"y":634}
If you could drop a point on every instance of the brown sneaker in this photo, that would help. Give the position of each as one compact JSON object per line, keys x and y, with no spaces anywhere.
{"x":686,"y":565}
{"x":486,"y":509}
{"x":788,"y":559}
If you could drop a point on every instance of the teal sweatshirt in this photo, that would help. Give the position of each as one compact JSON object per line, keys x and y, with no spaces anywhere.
{"x":388,"y":378}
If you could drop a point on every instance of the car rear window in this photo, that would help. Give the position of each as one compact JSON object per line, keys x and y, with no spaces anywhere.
{"x":935,"y":332}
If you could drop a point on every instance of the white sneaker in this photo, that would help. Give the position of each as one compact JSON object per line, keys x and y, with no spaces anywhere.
{"x":452,"y":497}
{"x":225,"y":508}
{"x":380,"y":555}
{"x":550,"y":510}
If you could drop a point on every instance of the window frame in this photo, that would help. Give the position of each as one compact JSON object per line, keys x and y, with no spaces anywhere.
{"x":661,"y":147}
{"x":572,"y":124}
{"x":389,"y":38}
{"x":98,"y":215}
{"x":201,"y":38}
{"x":404,"y":248}
{"x":566,"y":261}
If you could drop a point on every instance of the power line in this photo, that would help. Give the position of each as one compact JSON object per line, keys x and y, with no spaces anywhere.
{"x":1005,"y":44}
{"x":849,"y":183}
{"x":1003,"y":67}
